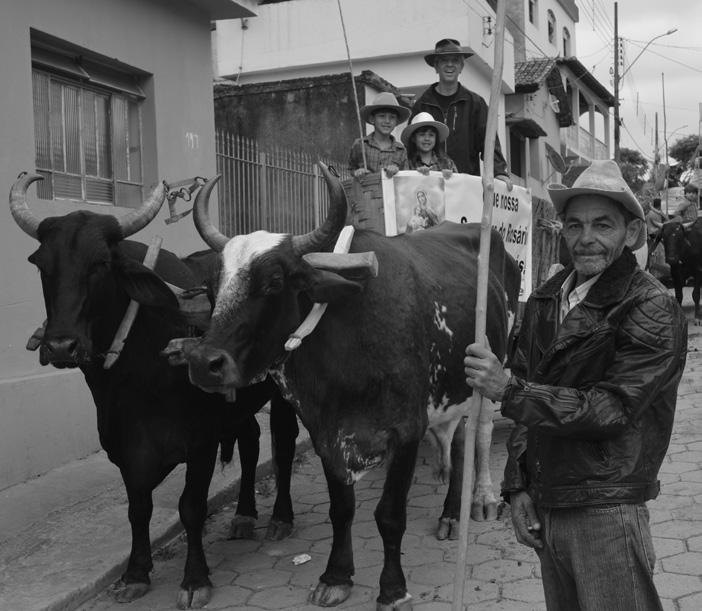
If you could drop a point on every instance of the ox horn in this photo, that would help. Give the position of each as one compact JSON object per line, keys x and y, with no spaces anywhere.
{"x":140,"y":218}
{"x":208,"y":232}
{"x":336,"y":217}
{"x":23,"y":216}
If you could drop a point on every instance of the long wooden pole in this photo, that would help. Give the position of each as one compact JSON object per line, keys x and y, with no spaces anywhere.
{"x":481,"y":303}
{"x":353,"y":85}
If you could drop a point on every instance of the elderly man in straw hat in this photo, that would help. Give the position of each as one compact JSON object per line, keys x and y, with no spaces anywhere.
{"x":592,"y":390}
{"x":463,"y":111}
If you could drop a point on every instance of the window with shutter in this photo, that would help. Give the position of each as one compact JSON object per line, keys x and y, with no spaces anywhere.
{"x":87,"y":124}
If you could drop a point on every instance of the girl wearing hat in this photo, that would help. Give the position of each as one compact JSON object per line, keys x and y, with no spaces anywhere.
{"x":423,"y":138}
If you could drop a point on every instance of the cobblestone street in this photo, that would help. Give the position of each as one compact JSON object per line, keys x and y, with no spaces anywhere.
{"x":501,"y":574}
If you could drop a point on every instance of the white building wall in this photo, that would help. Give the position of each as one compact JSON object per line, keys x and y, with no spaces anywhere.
{"x":537,"y":44}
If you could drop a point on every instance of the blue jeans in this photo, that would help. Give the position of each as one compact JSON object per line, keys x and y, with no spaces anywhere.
{"x":597,"y":559}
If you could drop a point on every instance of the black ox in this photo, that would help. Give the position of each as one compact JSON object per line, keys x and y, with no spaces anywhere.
{"x":384,"y":364}
{"x":150,"y":418}
{"x":683,"y":253}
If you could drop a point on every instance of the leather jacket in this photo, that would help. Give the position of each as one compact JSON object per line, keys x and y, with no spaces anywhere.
{"x":466,"y":119}
{"x":594,"y":398}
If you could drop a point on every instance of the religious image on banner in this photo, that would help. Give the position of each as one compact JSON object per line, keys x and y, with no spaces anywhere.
{"x":413,"y":201}
{"x":419,"y":202}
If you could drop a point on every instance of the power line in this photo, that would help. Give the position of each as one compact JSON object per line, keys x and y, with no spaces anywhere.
{"x":670,"y":59}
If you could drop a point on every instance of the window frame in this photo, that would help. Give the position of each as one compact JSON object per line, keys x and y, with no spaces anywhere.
{"x":566,"y":42}
{"x":533,"y":12}
{"x":112,"y":129}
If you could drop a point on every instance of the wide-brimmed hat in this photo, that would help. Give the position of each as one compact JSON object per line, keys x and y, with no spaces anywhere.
{"x":602,"y":178}
{"x":446,"y":46}
{"x":385,"y":101}
{"x":424,"y":119}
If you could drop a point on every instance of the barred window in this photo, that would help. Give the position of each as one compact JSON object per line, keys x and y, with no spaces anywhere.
{"x":87,"y":125}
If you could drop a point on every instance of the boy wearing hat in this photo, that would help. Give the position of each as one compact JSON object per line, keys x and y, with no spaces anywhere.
{"x":462,"y":111}
{"x":592,"y":391}
{"x":382,"y":151}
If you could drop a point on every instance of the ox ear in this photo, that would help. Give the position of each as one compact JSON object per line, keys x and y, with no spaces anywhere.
{"x":327,"y":287}
{"x":144,"y":286}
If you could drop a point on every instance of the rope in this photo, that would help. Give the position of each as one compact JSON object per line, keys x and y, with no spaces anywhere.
{"x":353,"y":85}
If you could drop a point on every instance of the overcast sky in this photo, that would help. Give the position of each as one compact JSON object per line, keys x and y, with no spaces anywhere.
{"x":677,"y":56}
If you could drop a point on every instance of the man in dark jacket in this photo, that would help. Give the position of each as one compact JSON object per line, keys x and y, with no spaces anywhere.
{"x":592,"y":389}
{"x":463,"y":111}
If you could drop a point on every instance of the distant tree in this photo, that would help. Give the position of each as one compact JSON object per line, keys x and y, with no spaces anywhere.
{"x":683,"y":150}
{"x":634,"y":168}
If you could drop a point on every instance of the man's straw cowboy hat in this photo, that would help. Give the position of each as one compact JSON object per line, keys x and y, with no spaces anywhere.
{"x":602,"y":178}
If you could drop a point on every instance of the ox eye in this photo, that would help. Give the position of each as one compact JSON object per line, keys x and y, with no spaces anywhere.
{"x":274,"y":284}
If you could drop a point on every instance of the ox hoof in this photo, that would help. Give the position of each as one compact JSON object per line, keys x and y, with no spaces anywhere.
{"x":194,"y":599}
{"x":448,"y":529}
{"x":325,"y":595}
{"x":481,"y":511}
{"x":242,"y":527}
{"x":404,"y":604}
{"x":127,"y":592}
{"x":277,"y":530}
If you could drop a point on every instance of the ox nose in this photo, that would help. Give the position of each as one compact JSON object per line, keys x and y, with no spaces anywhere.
{"x":211,"y":367}
{"x":63,"y":349}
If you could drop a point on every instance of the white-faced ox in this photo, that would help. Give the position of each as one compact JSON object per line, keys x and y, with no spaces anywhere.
{"x":384,"y":363}
{"x":150,"y":418}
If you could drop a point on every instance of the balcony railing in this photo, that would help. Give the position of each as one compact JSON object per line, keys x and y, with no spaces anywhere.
{"x":583,"y":143}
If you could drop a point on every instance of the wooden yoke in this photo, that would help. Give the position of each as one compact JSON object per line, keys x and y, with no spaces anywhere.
{"x":357,"y":266}
{"x":343,"y":243}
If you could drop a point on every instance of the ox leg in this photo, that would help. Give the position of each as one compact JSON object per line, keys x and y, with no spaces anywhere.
{"x":248,"y":435}
{"x":335,"y":583}
{"x":391,"y":518}
{"x":284,"y":430}
{"x":135,"y":580}
{"x":196,"y":587}
{"x":484,"y":505}
{"x":696,"y":295}
{"x":677,"y":275}
{"x":449,"y":520}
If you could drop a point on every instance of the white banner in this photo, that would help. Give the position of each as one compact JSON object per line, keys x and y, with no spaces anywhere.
{"x":413,"y":201}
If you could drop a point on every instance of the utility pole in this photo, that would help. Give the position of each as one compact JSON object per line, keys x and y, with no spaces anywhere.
{"x":616,"y":83}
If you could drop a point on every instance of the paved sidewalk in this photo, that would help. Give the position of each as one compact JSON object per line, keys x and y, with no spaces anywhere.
{"x":70,"y":536}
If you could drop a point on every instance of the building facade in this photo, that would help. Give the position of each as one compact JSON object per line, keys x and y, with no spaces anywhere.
{"x":104,"y":98}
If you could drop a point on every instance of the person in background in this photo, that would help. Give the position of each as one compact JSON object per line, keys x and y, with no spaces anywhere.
{"x":423,"y":138}
{"x":382,"y":151}
{"x":592,"y":391}
{"x":462,"y":111}
{"x":688,"y":209}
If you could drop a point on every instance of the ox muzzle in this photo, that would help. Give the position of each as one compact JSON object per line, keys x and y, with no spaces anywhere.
{"x":62,"y":352}
{"x":209,"y":368}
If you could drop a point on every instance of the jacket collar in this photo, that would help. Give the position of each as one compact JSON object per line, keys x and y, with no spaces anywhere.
{"x":612,"y":286}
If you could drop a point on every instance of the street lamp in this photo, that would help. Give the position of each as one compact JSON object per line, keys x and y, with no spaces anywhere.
{"x":618,"y":78}
{"x":671,"y":31}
